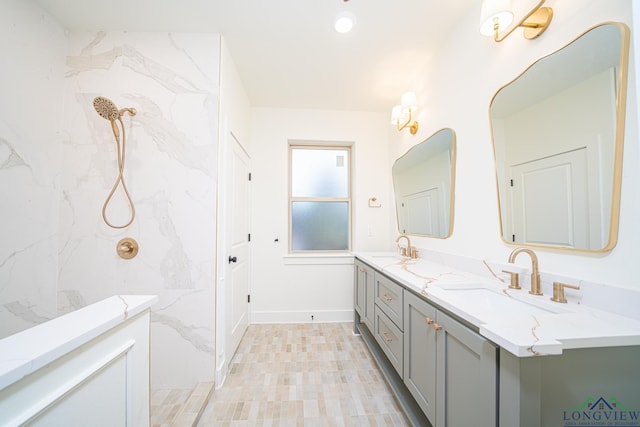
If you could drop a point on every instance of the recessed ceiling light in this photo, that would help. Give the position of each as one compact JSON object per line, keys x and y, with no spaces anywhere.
{"x":344,"y":22}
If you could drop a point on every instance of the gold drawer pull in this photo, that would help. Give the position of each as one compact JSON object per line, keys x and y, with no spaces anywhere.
{"x":387,"y":297}
{"x":362,"y":270}
{"x":428,"y":320}
{"x":436,"y":327}
{"x":386,"y":337}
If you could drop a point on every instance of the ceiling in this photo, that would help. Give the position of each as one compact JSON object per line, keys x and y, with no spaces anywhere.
{"x":286,"y":51}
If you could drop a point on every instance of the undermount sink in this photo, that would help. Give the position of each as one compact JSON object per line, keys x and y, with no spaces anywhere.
{"x":487,"y":300}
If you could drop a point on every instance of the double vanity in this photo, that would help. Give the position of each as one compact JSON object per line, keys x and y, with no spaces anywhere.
{"x":464,"y":343}
{"x":461,"y":349}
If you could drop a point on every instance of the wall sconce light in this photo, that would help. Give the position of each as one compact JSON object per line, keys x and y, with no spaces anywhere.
{"x":496,"y":16}
{"x":401,"y":115}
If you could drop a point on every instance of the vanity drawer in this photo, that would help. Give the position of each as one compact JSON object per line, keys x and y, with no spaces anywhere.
{"x":390,"y":338}
{"x":388,"y":296}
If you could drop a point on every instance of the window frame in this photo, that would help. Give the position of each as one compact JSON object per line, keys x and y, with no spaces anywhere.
{"x":320,"y":145}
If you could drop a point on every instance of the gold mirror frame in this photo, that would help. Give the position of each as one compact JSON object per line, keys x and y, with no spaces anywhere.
{"x":429,"y":150}
{"x":620,"y":101}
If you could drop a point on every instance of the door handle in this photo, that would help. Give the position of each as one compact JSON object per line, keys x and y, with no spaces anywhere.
{"x":232,"y":259}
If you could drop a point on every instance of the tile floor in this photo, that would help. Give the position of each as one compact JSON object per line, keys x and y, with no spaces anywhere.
{"x":166,"y":405}
{"x":303,"y":375}
{"x":179,"y":408}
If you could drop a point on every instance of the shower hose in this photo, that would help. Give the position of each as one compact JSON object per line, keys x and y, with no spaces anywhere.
{"x":120,"y":148}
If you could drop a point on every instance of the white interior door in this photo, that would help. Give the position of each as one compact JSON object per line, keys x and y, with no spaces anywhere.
{"x":550,"y":200}
{"x":237,"y":244}
{"x":421,"y":212}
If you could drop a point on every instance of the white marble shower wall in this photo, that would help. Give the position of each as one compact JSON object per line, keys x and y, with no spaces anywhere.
{"x":170,"y":170}
{"x":33,"y":49}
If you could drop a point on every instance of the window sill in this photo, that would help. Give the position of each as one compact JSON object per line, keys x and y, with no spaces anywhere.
{"x":345,"y":258}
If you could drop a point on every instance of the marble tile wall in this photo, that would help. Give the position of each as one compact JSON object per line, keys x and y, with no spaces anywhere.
{"x":170,"y":172}
{"x":33,"y":49}
{"x":58,"y":163}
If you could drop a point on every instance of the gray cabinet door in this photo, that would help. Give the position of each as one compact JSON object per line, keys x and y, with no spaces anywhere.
{"x":359,"y":295}
{"x":363,"y":293}
{"x":466,"y":376}
{"x":420,"y":353}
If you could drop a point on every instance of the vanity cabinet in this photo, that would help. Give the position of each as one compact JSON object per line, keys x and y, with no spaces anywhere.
{"x":445,"y":374}
{"x":444,"y":370}
{"x":363,"y":293}
{"x":449,"y":369}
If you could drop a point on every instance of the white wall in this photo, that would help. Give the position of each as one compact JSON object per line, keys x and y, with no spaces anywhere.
{"x":234,"y":119}
{"x":286,"y":292}
{"x":33,"y":48}
{"x":171,"y":172}
{"x":456,"y":93}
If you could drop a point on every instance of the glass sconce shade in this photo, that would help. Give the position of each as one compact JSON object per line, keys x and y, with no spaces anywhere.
{"x":409,"y":101}
{"x":401,"y":115}
{"x":396,"y":114}
{"x":495,"y":11}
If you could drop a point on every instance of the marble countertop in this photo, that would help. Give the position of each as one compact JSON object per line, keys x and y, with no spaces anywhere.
{"x":29,"y":350}
{"x":521,"y":323}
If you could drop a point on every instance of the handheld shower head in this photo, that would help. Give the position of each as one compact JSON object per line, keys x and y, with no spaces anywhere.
{"x":106,"y":108}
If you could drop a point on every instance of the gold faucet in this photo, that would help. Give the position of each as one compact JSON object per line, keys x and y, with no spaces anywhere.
{"x":409,"y":250}
{"x":535,"y":272}
{"x":558,"y":291}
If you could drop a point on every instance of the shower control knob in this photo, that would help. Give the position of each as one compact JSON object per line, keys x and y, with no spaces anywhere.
{"x":232,"y":259}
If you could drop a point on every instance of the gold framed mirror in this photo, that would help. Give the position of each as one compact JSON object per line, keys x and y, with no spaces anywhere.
{"x":558,"y":132}
{"x":423,"y":183}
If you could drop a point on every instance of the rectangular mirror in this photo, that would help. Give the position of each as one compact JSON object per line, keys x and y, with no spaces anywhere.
{"x":423,"y":182}
{"x":558,"y":132}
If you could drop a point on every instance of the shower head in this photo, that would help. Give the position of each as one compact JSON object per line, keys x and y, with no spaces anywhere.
{"x":106,"y":108}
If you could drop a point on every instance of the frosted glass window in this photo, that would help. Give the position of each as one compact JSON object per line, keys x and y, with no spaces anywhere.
{"x":319,"y":198}
{"x":320,"y":226}
{"x":319,"y":172}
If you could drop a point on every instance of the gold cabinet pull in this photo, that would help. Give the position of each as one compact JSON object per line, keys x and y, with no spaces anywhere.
{"x":436,"y":327}
{"x":428,"y":320}
{"x":361,"y":270}
{"x":386,"y":337}
{"x":387,"y":297}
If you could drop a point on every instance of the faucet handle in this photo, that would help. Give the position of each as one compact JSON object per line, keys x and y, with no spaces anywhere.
{"x":515,"y":279}
{"x":558,"y":291}
{"x":414,"y":252}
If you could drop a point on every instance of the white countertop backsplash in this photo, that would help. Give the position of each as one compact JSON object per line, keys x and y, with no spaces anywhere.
{"x":523,"y":324}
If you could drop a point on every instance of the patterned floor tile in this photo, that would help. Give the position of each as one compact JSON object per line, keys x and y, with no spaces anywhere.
{"x":303,"y":375}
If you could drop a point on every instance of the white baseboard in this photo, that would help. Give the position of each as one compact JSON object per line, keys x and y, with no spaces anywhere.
{"x":328,"y":316}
